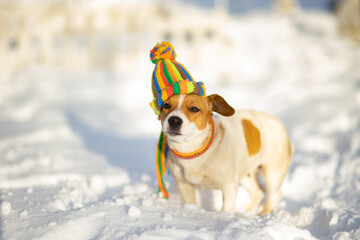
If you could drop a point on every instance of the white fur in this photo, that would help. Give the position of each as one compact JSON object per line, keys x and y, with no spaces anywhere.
{"x":227,"y":162}
{"x":191,"y":137}
{"x":181,"y":100}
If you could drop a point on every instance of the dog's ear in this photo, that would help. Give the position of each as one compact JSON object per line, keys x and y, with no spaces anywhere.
{"x":219,"y":105}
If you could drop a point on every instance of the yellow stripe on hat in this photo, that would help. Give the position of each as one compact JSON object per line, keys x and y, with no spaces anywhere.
{"x":170,"y":71}
{"x":159,"y":77}
{"x":153,"y":106}
{"x":175,"y":71}
{"x":164,"y":95}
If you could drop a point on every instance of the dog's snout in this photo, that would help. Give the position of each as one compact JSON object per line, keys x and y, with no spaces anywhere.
{"x":175,"y":122}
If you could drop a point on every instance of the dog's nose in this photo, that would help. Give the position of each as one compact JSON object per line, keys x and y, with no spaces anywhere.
{"x":175,"y":122}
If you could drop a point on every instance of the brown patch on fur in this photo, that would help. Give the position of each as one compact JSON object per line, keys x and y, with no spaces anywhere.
{"x":200,"y":118}
{"x":173,"y":101}
{"x":252,"y":137}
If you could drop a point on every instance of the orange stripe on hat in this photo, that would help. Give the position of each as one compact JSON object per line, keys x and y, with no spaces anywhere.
{"x":163,"y":78}
{"x":169,"y":91}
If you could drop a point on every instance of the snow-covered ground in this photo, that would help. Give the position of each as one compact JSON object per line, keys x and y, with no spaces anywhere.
{"x":77,"y":148}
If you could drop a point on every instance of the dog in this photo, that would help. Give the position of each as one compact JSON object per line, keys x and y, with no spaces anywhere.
{"x":224,"y":150}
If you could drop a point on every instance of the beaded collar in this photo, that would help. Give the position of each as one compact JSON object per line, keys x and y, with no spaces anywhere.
{"x":199,"y":151}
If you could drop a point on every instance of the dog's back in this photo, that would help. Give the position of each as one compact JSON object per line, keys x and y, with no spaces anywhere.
{"x":261,"y":142}
{"x":256,"y":134}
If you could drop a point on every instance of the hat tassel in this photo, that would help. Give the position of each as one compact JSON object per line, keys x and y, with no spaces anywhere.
{"x":160,"y":162}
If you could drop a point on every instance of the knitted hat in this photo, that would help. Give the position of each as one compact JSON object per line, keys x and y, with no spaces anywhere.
{"x":170,"y":77}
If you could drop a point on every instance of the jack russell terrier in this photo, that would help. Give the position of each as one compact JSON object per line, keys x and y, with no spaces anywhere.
{"x":215,"y":151}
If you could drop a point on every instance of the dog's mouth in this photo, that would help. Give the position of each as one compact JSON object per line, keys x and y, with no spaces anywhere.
{"x":173,"y":133}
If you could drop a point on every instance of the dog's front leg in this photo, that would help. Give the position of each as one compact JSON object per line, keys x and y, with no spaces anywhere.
{"x":229,"y":192}
{"x":187,"y":192}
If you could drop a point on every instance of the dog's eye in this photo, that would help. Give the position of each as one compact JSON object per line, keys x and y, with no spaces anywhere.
{"x":194,"y":109}
{"x":166,"y":106}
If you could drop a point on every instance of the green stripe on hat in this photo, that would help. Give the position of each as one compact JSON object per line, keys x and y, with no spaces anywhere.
{"x":176,"y":88}
{"x":166,"y":73}
{"x":190,"y":87}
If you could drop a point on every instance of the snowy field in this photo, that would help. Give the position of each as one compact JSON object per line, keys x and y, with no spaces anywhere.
{"x":77,"y":148}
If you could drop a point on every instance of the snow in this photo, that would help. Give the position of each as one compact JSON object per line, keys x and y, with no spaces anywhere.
{"x":5,"y":208}
{"x":24,"y":214}
{"x":77,"y":148}
{"x":134,"y":212}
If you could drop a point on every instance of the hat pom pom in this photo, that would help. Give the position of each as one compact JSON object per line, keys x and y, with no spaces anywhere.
{"x":162,"y":51}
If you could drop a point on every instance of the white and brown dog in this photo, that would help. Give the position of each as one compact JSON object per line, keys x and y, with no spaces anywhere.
{"x":227,"y":149}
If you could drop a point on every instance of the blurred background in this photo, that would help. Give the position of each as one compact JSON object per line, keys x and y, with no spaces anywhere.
{"x":113,"y":34}
{"x":57,"y":51}
{"x":87,"y":62}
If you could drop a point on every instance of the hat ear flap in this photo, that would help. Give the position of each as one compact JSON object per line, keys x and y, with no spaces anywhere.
{"x":219,"y":105}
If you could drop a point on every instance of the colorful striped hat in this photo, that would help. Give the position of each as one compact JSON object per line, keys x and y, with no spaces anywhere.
{"x":170,"y":77}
